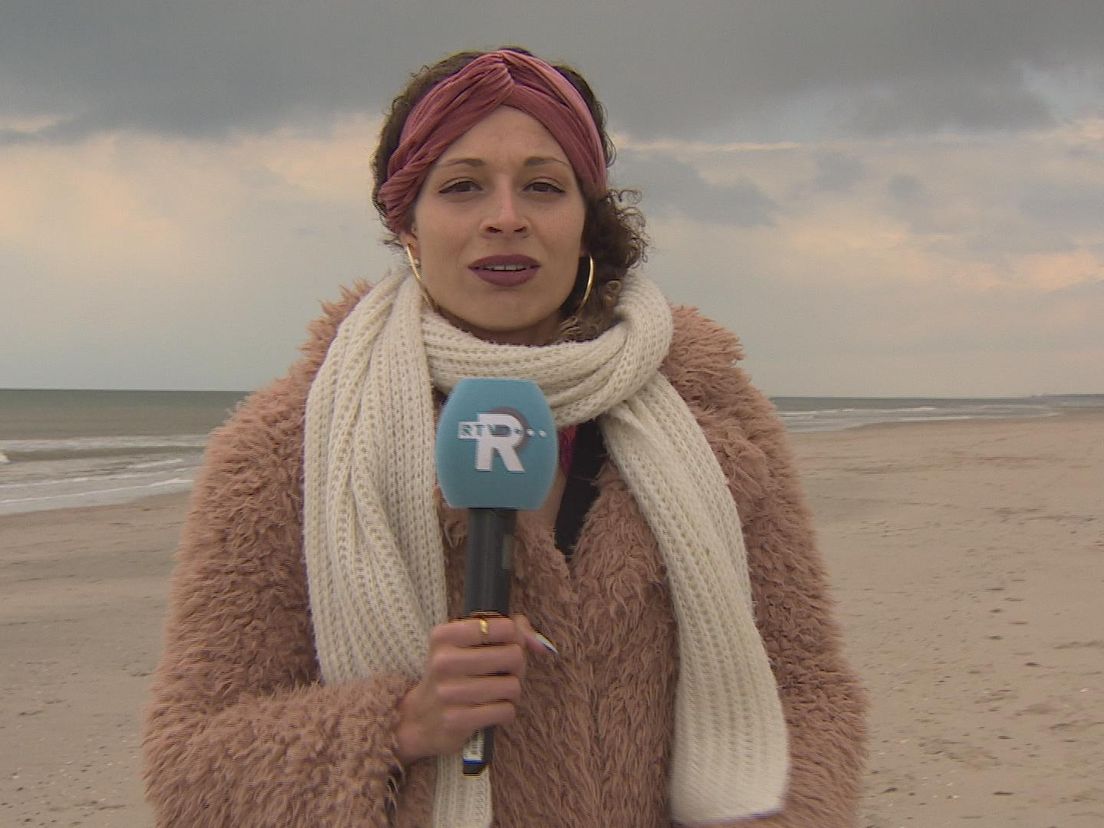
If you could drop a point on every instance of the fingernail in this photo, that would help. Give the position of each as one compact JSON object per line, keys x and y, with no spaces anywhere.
{"x":548,"y":645}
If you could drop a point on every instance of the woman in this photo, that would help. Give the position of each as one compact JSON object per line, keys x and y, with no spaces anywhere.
{"x":315,"y":670}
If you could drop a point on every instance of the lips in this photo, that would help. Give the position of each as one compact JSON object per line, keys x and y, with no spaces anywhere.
{"x":506,"y":270}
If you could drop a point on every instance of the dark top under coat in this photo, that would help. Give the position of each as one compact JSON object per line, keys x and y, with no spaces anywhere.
{"x":581,"y":488}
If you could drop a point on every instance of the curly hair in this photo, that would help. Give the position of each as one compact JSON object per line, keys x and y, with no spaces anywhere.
{"x":613,"y":230}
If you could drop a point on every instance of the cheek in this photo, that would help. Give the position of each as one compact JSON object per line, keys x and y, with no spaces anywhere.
{"x":447,"y":238}
{"x":576,"y":231}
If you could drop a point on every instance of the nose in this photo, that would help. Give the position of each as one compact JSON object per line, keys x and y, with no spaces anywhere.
{"x":505,"y":214}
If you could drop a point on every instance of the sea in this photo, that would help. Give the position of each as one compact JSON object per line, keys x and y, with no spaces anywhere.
{"x":65,"y":448}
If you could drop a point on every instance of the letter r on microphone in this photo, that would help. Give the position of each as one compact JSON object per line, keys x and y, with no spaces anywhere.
{"x":495,"y":431}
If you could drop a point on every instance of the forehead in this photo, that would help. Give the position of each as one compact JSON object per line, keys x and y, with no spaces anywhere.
{"x":505,"y":134}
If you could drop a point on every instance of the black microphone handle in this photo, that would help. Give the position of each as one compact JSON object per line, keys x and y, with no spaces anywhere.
{"x":488,"y":570}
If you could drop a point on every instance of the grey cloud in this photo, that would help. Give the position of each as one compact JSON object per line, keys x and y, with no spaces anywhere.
{"x":196,"y":68}
{"x":63,"y":131}
{"x":672,"y":187}
{"x":837,"y":173}
{"x":662,"y":68}
{"x":946,"y":104}
{"x":1067,"y":205}
{"x":996,"y":241}
{"x":994,"y":233}
{"x":905,"y":189}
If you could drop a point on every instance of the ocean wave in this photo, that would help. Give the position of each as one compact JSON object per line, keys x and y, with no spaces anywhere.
{"x":85,"y":478}
{"x":156,"y":464}
{"x":91,"y":445}
{"x":839,"y":418}
{"x":97,"y":496}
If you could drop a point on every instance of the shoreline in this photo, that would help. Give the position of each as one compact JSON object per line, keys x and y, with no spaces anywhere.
{"x":794,"y":436}
{"x":1073,"y":412}
{"x":963,"y":557}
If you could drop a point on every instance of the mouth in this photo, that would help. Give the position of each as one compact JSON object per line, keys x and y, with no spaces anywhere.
{"x":505,"y":271}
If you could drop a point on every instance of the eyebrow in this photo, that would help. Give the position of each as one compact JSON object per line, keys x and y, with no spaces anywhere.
{"x":532,"y":161}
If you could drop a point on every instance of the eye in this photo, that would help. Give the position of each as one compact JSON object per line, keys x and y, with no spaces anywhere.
{"x":464,"y":185}
{"x":546,"y":187}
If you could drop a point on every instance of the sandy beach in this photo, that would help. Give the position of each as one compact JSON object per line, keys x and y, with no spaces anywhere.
{"x":965,"y":558}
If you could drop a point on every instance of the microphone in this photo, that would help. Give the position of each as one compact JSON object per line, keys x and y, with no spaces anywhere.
{"x":496,"y":453}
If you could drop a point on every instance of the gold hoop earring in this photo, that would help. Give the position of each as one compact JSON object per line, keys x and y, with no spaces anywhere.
{"x":414,"y":266}
{"x":589,"y":286}
{"x":418,"y":278}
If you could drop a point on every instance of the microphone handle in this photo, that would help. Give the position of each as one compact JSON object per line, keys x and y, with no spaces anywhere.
{"x":488,"y":571}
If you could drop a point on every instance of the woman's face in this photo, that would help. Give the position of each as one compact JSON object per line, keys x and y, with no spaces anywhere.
{"x":498,"y":230}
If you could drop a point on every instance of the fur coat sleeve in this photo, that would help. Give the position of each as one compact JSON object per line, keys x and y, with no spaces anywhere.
{"x":240,"y":732}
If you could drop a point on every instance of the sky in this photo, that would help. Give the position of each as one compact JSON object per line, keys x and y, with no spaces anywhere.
{"x":882,"y":198}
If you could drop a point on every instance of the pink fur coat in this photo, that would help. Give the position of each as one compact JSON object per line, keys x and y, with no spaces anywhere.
{"x":240,"y":732}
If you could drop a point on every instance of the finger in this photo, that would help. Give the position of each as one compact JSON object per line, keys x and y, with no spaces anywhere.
{"x":535,"y":641}
{"x":456,"y":662}
{"x":480,"y":690}
{"x":468,"y":719}
{"x":473,"y":632}
{"x":523,"y":625}
{"x":495,"y":659}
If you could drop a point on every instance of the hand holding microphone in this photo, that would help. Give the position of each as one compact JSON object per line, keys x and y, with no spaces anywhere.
{"x":470,"y":683}
{"x":496,"y":453}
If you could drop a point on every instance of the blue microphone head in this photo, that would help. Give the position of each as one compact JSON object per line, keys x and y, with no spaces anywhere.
{"x":496,"y":445}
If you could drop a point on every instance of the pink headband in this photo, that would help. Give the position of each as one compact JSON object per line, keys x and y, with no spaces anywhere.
{"x":459,"y":102}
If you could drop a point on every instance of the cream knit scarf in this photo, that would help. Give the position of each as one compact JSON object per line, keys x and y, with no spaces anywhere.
{"x":374,"y":550}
